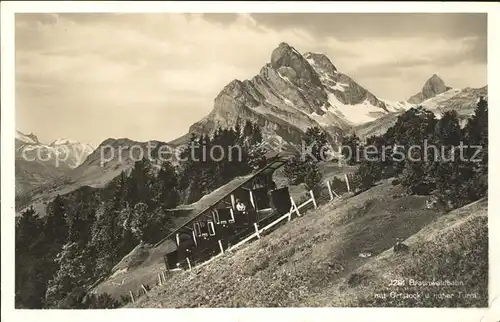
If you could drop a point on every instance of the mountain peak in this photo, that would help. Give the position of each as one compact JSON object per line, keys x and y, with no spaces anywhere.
{"x":27,"y":138}
{"x":64,"y":141}
{"x":435,"y":78}
{"x":432,"y":87}
{"x":285,"y":57}
{"x":321,"y":61}
{"x":284,"y":44}
{"x":283,"y":54}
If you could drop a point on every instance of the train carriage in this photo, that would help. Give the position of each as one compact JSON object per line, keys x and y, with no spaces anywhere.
{"x":223,"y":223}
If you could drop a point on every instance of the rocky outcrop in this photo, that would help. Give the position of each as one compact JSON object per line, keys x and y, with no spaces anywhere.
{"x":417,"y":98}
{"x":432,"y":87}
{"x":342,"y":86}
{"x":288,"y":58}
{"x":291,"y":93}
{"x":463,"y":101}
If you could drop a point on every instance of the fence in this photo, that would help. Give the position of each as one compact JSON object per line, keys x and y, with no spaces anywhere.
{"x":324,"y":194}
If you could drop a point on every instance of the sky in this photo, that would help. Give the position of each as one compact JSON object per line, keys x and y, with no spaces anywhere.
{"x":90,"y":77}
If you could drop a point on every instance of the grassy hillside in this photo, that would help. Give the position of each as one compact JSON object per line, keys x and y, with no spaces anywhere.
{"x":143,"y":263}
{"x":314,"y":260}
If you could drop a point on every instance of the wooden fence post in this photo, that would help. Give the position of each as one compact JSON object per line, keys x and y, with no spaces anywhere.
{"x":194,"y":238}
{"x":329,"y":189}
{"x":132,"y":296}
{"x":144,"y":289}
{"x":221,"y":248}
{"x":256,"y":230}
{"x":296,"y":208}
{"x":189,"y":262}
{"x":347,"y":182}
{"x":164,"y":274}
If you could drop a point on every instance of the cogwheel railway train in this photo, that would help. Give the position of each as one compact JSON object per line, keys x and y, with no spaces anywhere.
{"x":229,"y":218}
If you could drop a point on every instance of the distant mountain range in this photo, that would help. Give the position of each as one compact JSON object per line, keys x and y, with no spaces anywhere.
{"x":38,"y":163}
{"x":292,"y":92}
{"x":461,"y":100}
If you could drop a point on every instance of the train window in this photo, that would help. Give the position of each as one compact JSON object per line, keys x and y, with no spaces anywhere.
{"x":171,"y":260}
{"x":215,"y":215}
{"x":197,"y":229}
{"x":204,"y":229}
{"x":211,"y":228}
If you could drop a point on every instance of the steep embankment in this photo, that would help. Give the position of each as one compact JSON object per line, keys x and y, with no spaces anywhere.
{"x":314,"y":260}
{"x":142,"y":264}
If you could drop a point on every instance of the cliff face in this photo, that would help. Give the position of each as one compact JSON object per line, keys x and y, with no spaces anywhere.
{"x":432,"y":87}
{"x":291,"y":93}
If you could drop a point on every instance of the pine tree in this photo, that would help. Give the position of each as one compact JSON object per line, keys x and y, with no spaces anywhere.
{"x":102,"y":301}
{"x":256,"y":136}
{"x":106,"y":235}
{"x":81,"y":208}
{"x":239,"y":131}
{"x":31,"y":271}
{"x":295,"y":169}
{"x":350,"y":146}
{"x":120,"y":192}
{"x":28,"y":230}
{"x":313,"y":176}
{"x":447,"y":131}
{"x":72,"y":271}
{"x":141,"y":220}
{"x":128,"y":239}
{"x":412,"y":128}
{"x":138,"y":183}
{"x":316,"y":140}
{"x":366,"y":176}
{"x":462,"y":180}
{"x":256,"y":158}
{"x":56,"y":228}
{"x":248,"y":132}
{"x":476,"y":133}
{"x":167,"y":178}
{"x":188,"y":167}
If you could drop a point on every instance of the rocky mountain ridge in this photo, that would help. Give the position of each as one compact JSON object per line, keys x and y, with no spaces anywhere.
{"x":432,"y":87}
{"x":290,"y":94}
{"x":38,"y":164}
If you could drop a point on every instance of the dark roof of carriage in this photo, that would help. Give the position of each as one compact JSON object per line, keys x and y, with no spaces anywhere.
{"x":208,"y":201}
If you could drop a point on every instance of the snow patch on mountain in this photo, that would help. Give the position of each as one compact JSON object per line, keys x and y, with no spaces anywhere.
{"x":434,"y":102}
{"x":64,"y":141}
{"x":357,"y":113}
{"x":27,"y":138}
{"x":400,"y":106}
{"x":295,"y":91}
{"x":61,"y":152}
{"x":340,"y":87}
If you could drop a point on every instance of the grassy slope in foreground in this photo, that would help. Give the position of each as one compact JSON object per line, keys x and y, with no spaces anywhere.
{"x":314,"y":260}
